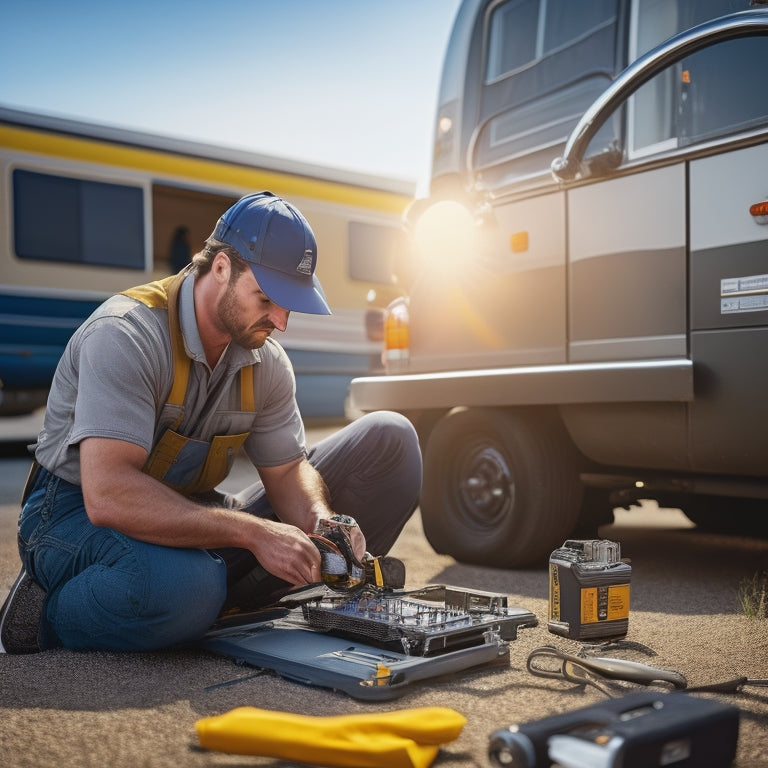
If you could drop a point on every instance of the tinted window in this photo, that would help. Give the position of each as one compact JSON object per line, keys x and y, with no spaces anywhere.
{"x":513,"y":35}
{"x":711,"y":93}
{"x":58,"y":218}
{"x":567,"y":21}
{"x":522,"y":31}
{"x":546,"y":63}
{"x":720,"y":92}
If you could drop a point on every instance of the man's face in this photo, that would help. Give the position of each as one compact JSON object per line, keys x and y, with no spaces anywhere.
{"x":247,"y":314}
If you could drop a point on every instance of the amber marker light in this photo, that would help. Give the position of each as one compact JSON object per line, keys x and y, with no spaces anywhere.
{"x":759,"y":212}
{"x":518,"y":241}
{"x":397,"y":340}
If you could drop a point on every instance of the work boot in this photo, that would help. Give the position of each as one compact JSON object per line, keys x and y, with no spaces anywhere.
{"x":21,"y":616}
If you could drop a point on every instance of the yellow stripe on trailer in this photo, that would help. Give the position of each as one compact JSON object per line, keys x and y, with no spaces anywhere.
{"x":201,"y":169}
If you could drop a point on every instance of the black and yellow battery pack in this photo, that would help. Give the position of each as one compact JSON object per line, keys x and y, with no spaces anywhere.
{"x":588,"y":590}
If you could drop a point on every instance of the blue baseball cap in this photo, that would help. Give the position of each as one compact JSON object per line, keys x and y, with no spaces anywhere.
{"x":279,"y":246}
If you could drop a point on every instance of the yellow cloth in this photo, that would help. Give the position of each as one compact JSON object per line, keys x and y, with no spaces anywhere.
{"x":407,"y":738}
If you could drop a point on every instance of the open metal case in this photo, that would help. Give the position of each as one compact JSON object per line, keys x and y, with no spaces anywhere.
{"x":373,"y":644}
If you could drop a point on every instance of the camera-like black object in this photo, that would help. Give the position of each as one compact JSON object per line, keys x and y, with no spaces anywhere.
{"x":639,"y":730}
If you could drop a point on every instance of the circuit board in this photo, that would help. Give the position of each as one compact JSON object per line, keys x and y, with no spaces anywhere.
{"x":424,"y":622}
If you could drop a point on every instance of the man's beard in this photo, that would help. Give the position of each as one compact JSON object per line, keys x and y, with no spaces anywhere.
{"x":249,"y":336}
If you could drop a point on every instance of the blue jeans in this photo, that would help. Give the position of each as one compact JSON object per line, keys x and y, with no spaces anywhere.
{"x":105,"y":590}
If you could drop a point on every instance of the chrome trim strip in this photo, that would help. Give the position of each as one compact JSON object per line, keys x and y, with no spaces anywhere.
{"x":669,"y":380}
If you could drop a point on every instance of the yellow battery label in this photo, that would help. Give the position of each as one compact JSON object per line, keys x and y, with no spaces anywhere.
{"x":554,"y":593}
{"x":606,"y":603}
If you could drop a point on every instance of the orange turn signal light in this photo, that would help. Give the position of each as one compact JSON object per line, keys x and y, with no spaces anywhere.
{"x":759,"y":209}
{"x":396,"y":328}
{"x":518,"y":241}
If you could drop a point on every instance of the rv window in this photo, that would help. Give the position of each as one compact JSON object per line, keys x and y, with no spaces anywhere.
{"x":57,"y":218}
{"x":522,"y":31}
{"x":709,"y":94}
{"x":513,"y":35}
{"x":544,"y":68}
{"x":566,"y":22}
{"x":719,"y":92}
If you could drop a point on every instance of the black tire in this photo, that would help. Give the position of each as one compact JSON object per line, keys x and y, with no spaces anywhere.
{"x":501,"y":488}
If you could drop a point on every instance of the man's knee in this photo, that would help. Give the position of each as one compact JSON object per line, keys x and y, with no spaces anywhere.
{"x":185,"y":599}
{"x":104,"y":609}
{"x":394,"y":431}
{"x":399,"y":441}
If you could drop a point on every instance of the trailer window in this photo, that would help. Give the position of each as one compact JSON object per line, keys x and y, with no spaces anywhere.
{"x":513,"y":36}
{"x":546,"y":62}
{"x":523,"y":31}
{"x":58,"y":218}
{"x":709,"y":94}
{"x":721,"y":94}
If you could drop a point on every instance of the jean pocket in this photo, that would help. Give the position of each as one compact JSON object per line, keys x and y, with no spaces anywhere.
{"x":30,"y":523}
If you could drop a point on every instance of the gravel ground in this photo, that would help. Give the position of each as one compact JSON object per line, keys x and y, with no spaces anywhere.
{"x":60,"y":709}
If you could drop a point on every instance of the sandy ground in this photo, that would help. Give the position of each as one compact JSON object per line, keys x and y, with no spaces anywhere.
{"x":60,"y":709}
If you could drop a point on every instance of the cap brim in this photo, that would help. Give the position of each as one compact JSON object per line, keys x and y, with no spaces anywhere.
{"x":292,"y":293}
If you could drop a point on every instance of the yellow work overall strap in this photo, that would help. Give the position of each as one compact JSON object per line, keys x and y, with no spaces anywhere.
{"x":221,"y":449}
{"x":165,"y":293}
{"x":160,"y":294}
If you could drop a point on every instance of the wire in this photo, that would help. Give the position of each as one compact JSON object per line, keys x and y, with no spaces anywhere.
{"x":598,"y":671}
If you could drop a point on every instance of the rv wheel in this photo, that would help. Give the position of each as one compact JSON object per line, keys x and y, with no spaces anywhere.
{"x":501,"y":488}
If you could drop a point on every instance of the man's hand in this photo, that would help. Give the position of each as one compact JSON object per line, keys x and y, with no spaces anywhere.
{"x":287,"y":552}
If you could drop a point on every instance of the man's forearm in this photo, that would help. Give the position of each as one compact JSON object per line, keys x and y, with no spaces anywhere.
{"x":297,"y":494}
{"x":143,"y":508}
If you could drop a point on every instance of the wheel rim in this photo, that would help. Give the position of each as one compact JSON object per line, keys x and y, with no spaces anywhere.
{"x":485,"y":483}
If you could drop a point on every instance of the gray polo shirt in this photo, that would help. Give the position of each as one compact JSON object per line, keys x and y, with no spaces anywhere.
{"x":116,"y":373}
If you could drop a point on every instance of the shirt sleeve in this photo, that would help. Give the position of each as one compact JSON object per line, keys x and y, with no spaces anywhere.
{"x":119,"y":382}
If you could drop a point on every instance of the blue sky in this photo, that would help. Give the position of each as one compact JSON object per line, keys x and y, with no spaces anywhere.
{"x":345,"y":83}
